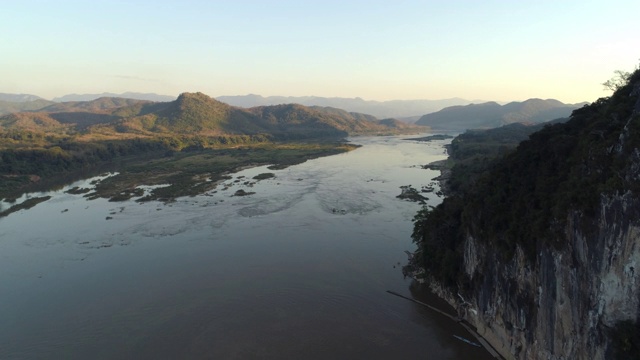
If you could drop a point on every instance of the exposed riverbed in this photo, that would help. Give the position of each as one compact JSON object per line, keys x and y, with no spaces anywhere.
{"x":298,"y":269}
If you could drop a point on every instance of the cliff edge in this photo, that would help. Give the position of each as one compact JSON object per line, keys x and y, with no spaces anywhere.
{"x":540,"y":250}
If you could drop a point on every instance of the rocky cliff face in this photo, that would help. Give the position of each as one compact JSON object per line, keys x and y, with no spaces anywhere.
{"x":564,"y":298}
{"x":564,"y":308}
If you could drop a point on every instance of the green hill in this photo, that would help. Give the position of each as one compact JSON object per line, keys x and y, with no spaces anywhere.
{"x":190,"y":113}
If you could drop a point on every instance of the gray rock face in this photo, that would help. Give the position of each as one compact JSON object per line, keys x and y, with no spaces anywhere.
{"x":562,"y":306}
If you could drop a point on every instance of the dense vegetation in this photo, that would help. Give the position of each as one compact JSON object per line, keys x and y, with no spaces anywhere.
{"x":438,"y":231}
{"x":474,"y":152}
{"x":523,"y":198}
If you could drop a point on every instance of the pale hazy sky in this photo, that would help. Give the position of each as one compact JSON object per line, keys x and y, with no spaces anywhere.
{"x":377,"y":50}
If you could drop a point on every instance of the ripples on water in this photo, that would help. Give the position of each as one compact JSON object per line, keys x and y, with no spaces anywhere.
{"x":297,"y":270}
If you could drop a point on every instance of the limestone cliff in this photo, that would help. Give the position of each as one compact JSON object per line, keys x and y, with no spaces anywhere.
{"x":542,"y":254}
{"x":564,"y":305}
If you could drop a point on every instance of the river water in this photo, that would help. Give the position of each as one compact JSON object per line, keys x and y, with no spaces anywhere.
{"x":298,"y":270}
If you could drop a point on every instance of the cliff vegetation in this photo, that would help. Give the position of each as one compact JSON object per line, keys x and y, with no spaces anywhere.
{"x":525,"y":231}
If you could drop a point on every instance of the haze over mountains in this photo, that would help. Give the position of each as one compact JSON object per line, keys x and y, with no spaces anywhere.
{"x":128,"y":95}
{"x":19,"y":97}
{"x":379,"y":109}
{"x":441,"y":115}
{"x":491,"y":114}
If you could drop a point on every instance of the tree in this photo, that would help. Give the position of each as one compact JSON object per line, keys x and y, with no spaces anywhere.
{"x":620,"y":79}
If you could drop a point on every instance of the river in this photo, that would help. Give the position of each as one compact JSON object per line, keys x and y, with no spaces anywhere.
{"x":298,"y":270}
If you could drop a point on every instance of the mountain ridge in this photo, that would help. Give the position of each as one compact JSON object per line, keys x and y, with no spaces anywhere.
{"x":379,"y":109}
{"x":491,"y":114}
{"x":128,"y":95}
{"x":195,"y":114}
{"x":19,"y":97}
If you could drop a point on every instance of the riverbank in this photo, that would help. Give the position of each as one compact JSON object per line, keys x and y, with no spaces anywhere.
{"x":444,"y":166}
{"x":165,"y":177}
{"x":417,"y":272}
{"x":481,"y":341}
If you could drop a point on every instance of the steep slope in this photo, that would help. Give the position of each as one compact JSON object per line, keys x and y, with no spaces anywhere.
{"x":492,"y":114}
{"x":194,"y":113}
{"x":543,"y":246}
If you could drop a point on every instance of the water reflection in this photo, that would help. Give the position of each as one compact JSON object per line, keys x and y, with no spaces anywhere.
{"x":277,"y":274}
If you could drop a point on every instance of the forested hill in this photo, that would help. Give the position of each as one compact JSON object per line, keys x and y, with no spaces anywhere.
{"x":492,"y":115}
{"x":541,"y":244}
{"x":194,"y":114}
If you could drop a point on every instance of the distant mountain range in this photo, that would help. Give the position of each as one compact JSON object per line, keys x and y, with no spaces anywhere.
{"x":6,"y":97}
{"x":398,"y":109}
{"x":11,"y":103}
{"x":128,"y":95}
{"x":18,"y":97}
{"x":491,"y":114}
{"x":7,"y":107}
{"x":196,"y":114}
{"x":440,"y":114}
{"x":405,"y":110}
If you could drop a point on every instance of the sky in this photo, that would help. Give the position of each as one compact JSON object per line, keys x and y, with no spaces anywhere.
{"x":377,"y":50}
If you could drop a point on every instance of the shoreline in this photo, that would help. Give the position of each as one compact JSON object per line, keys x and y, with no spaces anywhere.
{"x":445,"y":166}
{"x":188,"y":173}
{"x":465,"y":324}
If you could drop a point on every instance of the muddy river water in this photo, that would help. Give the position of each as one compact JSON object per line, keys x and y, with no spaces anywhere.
{"x":298,"y":270}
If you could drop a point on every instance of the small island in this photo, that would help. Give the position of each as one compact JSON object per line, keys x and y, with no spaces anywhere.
{"x":410,"y":193}
{"x":431,"y":138}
